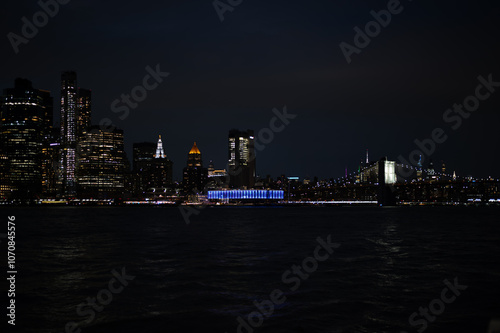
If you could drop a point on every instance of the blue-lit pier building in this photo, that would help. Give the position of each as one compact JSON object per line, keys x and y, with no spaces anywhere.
{"x":246,"y":195}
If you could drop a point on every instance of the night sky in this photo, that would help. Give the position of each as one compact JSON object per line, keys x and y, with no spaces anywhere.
{"x":268,"y":54}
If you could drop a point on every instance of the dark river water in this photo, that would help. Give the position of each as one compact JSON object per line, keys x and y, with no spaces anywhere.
{"x":142,"y":269}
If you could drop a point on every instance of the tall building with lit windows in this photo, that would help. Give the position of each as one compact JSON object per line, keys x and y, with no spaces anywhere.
{"x":241,"y":157}
{"x":84,"y":111}
{"x":152,"y":169}
{"x":51,"y":171}
{"x":5,"y":190}
{"x":101,"y":164}
{"x":50,"y":148}
{"x":161,"y":168}
{"x":24,"y":125}
{"x":69,"y":106}
{"x":194,"y":174}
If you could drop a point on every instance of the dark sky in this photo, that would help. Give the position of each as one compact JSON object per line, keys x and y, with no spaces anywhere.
{"x":268,"y":54}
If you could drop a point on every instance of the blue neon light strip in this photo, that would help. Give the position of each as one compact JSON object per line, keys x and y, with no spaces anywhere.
{"x":246,"y":194}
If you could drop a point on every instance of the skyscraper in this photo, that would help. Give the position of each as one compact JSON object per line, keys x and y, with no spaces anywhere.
{"x":241,"y":159}
{"x":24,"y":125}
{"x":152,"y":169}
{"x":101,"y":163}
{"x":161,"y":168}
{"x":143,"y":153}
{"x":194,"y":174}
{"x":48,"y":112}
{"x":69,"y":100}
{"x":84,"y":111}
{"x":386,"y":178}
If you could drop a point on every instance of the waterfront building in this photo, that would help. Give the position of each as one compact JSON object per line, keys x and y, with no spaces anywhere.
{"x":101,"y":163}
{"x":246,"y":195}
{"x":152,"y":169}
{"x":84,"y":111}
{"x":194,"y":174}
{"x":25,"y":122}
{"x":241,"y":155}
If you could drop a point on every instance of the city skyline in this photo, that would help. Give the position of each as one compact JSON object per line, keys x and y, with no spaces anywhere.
{"x":393,"y":92}
{"x":80,"y":160}
{"x":250,"y":166}
{"x":82,"y":101}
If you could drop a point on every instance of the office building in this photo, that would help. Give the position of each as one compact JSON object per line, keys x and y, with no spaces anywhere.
{"x":84,"y":111}
{"x":101,"y":164}
{"x":241,"y":165}
{"x":143,"y":153}
{"x":161,"y":169}
{"x":217,"y":178}
{"x":69,"y":102}
{"x":5,"y":189}
{"x":152,"y":170}
{"x":24,"y":123}
{"x":51,"y":170}
{"x":194,"y":174}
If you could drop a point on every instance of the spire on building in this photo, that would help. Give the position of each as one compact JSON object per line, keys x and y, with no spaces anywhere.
{"x":195,"y":149}
{"x":454,"y":176}
{"x":367,"y":160}
{"x":159,"y":149}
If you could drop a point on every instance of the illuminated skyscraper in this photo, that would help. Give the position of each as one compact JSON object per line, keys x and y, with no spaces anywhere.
{"x":69,"y":100}
{"x":386,"y":178}
{"x":159,"y":149}
{"x":101,"y":163}
{"x":152,"y":169}
{"x":24,"y":125}
{"x":161,"y":169}
{"x":5,"y":189}
{"x":84,"y":111}
{"x":241,"y":159}
{"x":194,"y":174}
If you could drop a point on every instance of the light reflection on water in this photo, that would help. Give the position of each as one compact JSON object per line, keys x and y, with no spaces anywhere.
{"x":203,"y":275}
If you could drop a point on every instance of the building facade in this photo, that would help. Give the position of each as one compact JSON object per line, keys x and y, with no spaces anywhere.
{"x":69,"y":100}
{"x":152,"y":169}
{"x":25,"y":123}
{"x":194,"y":174}
{"x":101,"y":164}
{"x":241,"y":159}
{"x":84,"y":111}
